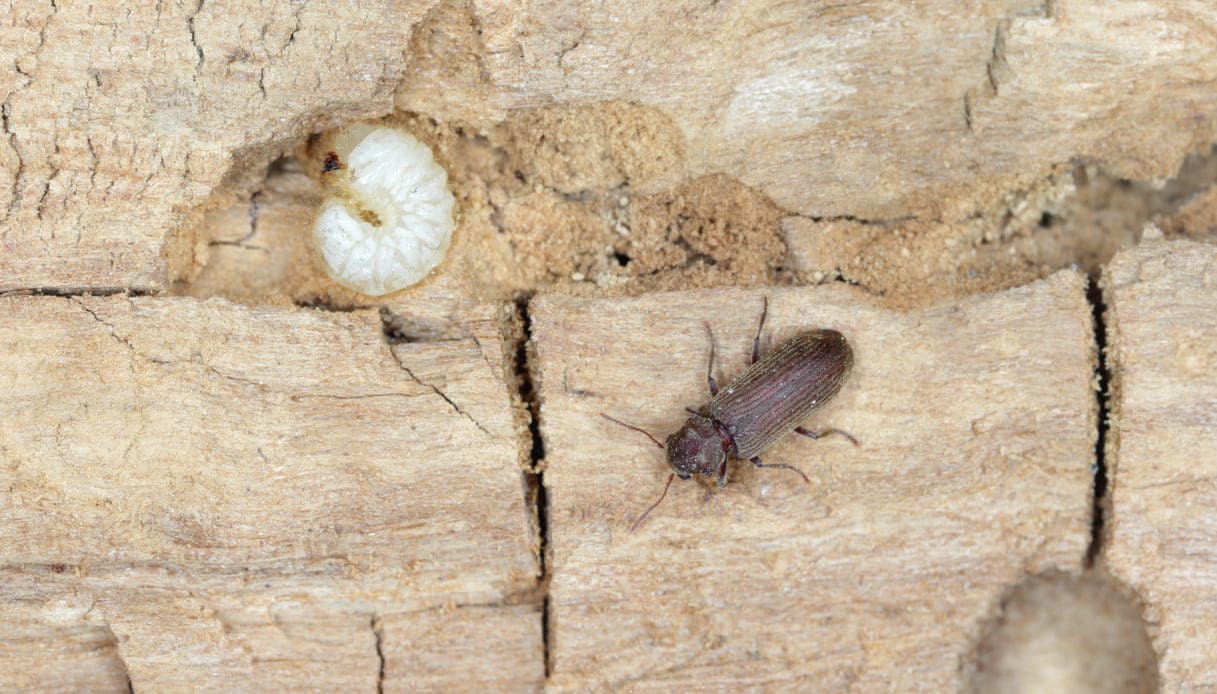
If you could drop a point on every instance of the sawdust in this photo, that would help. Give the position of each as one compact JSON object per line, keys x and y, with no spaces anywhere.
{"x":590,"y":198}
{"x":553,"y":196}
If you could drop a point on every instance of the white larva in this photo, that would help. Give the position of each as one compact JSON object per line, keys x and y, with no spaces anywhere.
{"x":386,"y":221}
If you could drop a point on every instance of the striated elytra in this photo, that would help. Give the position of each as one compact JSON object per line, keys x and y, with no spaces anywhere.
{"x":770,"y":399}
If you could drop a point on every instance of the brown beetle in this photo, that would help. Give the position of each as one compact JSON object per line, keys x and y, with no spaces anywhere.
{"x":764,"y":403}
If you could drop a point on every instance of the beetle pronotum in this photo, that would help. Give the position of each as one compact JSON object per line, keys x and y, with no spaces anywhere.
{"x":764,"y":403}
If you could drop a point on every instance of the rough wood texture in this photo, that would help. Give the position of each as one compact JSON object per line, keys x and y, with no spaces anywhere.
{"x":119,"y":121}
{"x":464,"y":649}
{"x":39,"y":654}
{"x":917,"y":149}
{"x":1162,"y":341}
{"x":120,"y":125}
{"x":802,"y":100}
{"x":977,"y":424}
{"x":200,"y":495}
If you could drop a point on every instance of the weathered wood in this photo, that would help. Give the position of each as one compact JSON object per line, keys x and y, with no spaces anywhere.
{"x":208,"y":496}
{"x":464,"y":649}
{"x":1162,"y":346}
{"x":120,"y":124}
{"x":892,"y":141}
{"x":977,"y":425}
{"x":42,"y":651}
{"x":120,"y":121}
{"x":802,"y":101}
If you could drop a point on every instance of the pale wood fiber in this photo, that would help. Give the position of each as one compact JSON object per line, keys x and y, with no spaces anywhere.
{"x":1162,"y":344}
{"x":977,"y":425}
{"x":121,"y":124}
{"x":206,"y":496}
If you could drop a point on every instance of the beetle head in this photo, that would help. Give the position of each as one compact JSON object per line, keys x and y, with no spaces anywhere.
{"x":696,"y":449}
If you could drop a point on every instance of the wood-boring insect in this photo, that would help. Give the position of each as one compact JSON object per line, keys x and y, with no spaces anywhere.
{"x":761,"y":405}
{"x":387,"y":217}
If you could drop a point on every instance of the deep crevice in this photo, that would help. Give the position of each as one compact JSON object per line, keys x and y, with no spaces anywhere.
{"x":535,"y":474}
{"x":1094,"y":294}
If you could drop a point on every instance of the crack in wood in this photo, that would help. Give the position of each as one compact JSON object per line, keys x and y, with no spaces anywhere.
{"x":1094,"y":294}
{"x":536,"y":473}
{"x":378,"y":633}
{"x":452,"y":403}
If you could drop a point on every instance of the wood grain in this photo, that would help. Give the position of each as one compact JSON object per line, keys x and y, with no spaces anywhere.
{"x":207,"y":496}
{"x":1162,"y":342}
{"x":123,"y":126}
{"x":196,"y":495}
{"x":977,"y":428}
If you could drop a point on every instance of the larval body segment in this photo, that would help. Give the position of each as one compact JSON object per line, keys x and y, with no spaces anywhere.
{"x":387,"y":219}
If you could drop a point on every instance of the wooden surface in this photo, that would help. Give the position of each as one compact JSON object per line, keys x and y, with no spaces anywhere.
{"x":201,"y":495}
{"x":803,"y":101}
{"x":120,"y":126}
{"x":475,"y":648}
{"x":119,"y":121}
{"x":910,"y":148}
{"x":1162,"y":337}
{"x":977,"y":423}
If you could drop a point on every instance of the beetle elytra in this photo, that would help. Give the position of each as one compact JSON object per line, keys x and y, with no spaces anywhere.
{"x":764,"y":403}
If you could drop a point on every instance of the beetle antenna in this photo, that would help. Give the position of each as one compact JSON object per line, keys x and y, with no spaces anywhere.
{"x":652,"y":508}
{"x":631,"y":426}
{"x":785,"y":467}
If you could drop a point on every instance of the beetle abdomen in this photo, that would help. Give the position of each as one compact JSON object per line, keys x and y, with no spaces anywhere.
{"x":775,"y":395}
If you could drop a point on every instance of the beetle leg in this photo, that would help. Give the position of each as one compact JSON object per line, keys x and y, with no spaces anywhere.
{"x":690,"y":410}
{"x":756,"y":341}
{"x":710,"y":366}
{"x":722,"y":475}
{"x":757,"y":462}
{"x":825,"y":432}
